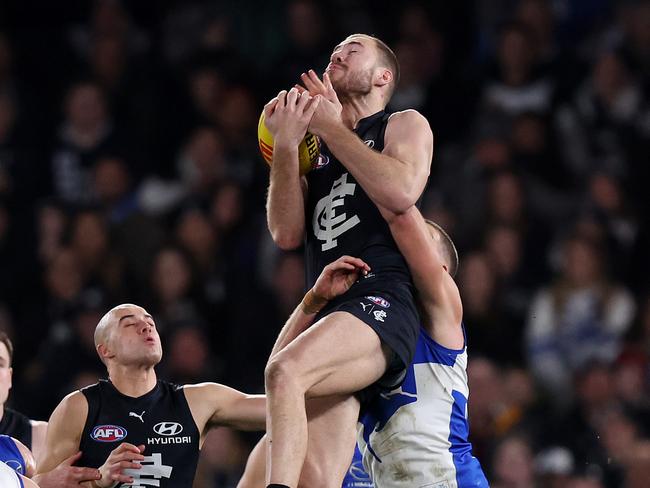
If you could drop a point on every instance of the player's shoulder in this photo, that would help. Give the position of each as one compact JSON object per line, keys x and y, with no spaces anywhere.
{"x":73,"y":404}
{"x":408,"y":122}
{"x":408,"y":116}
{"x":205,"y":390}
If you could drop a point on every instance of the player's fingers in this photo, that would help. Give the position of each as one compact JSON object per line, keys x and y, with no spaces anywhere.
{"x":359,"y":263}
{"x":300,"y":88}
{"x":309,"y":84}
{"x":86,"y":474}
{"x":282,"y":99}
{"x":303,"y":100}
{"x":313,"y":105}
{"x":269,"y":108}
{"x":127,"y":456}
{"x":317,"y":81}
{"x":292,"y":98}
{"x":328,"y":85}
{"x":122,"y":478}
{"x":72,"y":459}
{"x":126,"y":465}
{"x":125,"y":446}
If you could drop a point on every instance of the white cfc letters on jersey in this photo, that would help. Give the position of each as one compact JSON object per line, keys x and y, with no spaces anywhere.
{"x":327,"y":225}
{"x":151,"y":472}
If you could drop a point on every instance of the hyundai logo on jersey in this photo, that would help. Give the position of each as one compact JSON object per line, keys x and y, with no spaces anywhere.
{"x":382,"y":302}
{"x":108,"y":433}
{"x":168,"y":428}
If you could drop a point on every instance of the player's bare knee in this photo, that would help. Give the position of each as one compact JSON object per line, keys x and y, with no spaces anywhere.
{"x":280,"y":372}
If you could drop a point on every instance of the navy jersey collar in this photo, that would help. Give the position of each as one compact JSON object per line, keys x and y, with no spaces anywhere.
{"x":366,"y":122}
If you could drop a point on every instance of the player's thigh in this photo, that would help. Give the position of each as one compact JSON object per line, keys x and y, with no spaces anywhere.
{"x":255,"y":471}
{"x":339,"y":354}
{"x":332,"y":437}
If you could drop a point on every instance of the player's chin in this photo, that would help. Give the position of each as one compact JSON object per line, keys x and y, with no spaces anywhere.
{"x":153,"y":356}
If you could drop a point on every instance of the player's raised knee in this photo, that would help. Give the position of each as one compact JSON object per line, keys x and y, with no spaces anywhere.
{"x":280,"y":372}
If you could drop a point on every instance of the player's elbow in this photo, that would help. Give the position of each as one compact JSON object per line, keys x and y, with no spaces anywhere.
{"x":401,"y":198}
{"x":287,"y":240}
{"x":399,"y":202}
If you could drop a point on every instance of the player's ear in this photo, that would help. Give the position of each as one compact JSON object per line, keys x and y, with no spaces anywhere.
{"x":384,"y":76}
{"x":104,"y":352}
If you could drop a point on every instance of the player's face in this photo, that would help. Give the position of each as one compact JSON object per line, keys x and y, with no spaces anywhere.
{"x":134,"y":338}
{"x":352,"y":66}
{"x":5,"y":373}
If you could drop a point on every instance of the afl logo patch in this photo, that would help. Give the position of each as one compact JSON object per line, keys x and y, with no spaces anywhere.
{"x":108,"y":433}
{"x":370,"y":143}
{"x":382,"y":302}
{"x":168,"y":428}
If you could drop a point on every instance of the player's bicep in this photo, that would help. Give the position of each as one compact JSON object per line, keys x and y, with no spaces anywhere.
{"x":213,"y":404}
{"x":419,"y":250}
{"x":409,"y":139}
{"x":39,"y":433}
{"x":239,"y":410}
{"x":64,"y":431}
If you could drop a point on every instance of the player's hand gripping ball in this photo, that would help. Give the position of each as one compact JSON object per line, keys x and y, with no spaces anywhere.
{"x":308,"y":150}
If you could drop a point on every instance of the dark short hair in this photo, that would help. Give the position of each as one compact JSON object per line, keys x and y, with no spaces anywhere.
{"x":4,"y":338}
{"x":449,"y":252}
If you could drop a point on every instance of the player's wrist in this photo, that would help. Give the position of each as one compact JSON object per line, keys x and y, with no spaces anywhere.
{"x":285,"y":145}
{"x":313,"y":302}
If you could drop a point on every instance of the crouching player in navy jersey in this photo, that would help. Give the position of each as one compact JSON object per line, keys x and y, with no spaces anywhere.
{"x":139,"y":430}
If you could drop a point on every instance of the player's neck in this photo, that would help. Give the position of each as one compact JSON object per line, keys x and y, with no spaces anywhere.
{"x":133,"y":381}
{"x":356,"y":108}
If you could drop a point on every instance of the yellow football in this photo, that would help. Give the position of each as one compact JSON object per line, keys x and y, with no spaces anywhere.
{"x":308,"y":150}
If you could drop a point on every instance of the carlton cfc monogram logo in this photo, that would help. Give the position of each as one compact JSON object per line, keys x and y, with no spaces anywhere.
{"x":327,"y":225}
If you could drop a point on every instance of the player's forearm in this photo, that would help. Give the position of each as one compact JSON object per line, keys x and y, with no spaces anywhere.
{"x":285,"y":201}
{"x":414,"y":241}
{"x":387,"y":181}
{"x":301,"y":318}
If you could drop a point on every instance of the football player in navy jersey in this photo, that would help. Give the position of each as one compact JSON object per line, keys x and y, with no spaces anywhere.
{"x":368,"y":158}
{"x":133,"y":427}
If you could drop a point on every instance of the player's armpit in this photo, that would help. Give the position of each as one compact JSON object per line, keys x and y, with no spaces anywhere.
{"x":64,"y":431}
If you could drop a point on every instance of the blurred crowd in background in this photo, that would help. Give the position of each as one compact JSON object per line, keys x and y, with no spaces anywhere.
{"x":129,"y":172}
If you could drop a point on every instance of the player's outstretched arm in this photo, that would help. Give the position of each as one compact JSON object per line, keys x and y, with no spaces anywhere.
{"x":287,"y":117}
{"x":213,"y":404}
{"x":61,"y":447}
{"x":394,"y":178}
